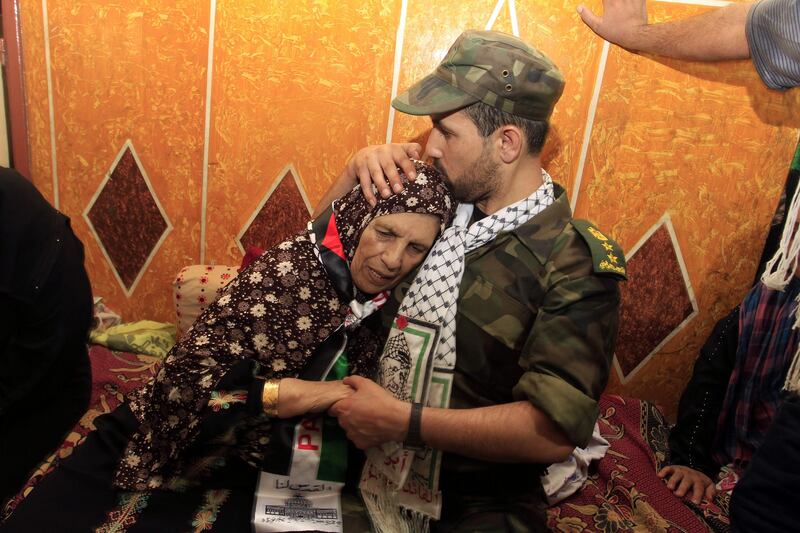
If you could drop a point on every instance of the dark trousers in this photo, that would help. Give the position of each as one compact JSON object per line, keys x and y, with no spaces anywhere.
{"x":767,"y":498}
{"x":79,"y":496}
{"x":45,"y":342}
{"x":28,"y":436}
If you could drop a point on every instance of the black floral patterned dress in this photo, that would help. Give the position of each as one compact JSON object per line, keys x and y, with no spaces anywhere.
{"x":190,"y":442}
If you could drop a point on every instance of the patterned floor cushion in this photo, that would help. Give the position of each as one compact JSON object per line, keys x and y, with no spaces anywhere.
{"x":623,"y":492}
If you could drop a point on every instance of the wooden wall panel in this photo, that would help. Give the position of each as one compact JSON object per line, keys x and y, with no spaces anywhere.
{"x":34,"y":71}
{"x":706,"y":144}
{"x":302,"y":85}
{"x":131,"y":70}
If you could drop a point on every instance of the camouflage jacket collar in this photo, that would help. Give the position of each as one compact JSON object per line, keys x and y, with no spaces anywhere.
{"x":539,"y":234}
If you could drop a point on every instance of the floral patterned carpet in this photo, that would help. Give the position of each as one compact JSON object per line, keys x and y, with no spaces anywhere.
{"x":114,"y":374}
{"x":623,"y":492}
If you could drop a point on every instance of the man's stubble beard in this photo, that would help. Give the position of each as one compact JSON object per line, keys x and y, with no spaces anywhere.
{"x":478,"y":181}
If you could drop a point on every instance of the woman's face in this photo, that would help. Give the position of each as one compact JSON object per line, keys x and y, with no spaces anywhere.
{"x":390,"y":247}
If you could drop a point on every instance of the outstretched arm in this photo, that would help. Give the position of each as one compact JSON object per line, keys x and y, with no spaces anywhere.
{"x":712,"y":36}
{"x":512,"y":432}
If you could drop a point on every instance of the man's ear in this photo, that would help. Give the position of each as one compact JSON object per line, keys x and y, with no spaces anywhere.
{"x":511,"y":143}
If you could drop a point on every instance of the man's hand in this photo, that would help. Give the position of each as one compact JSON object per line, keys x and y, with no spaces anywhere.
{"x":377,"y":165}
{"x":715,"y":35}
{"x":373,"y":165}
{"x":371,"y":416}
{"x":621,"y":21}
{"x":682,"y":480}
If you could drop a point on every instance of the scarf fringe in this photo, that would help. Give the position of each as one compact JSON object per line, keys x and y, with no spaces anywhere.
{"x":793,"y":377}
{"x":792,"y":383}
{"x":779,"y":272}
{"x":388,"y":517}
{"x":782,"y":267}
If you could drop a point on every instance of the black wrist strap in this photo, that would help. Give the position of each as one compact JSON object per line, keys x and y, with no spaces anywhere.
{"x":414,"y":436}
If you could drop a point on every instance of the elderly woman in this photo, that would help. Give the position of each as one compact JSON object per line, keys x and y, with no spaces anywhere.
{"x":187,"y":448}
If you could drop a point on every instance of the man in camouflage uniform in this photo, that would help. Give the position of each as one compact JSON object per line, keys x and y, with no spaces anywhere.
{"x":538,"y":306}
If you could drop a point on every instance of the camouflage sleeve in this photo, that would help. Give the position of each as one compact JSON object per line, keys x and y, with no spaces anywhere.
{"x":567,"y":354}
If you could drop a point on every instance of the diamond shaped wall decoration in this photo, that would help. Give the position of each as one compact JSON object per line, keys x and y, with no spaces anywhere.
{"x":284,"y":210}
{"x":127,"y":219}
{"x":657,"y":300}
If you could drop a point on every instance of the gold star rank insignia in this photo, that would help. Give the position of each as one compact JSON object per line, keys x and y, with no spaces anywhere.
{"x":608,"y":258}
{"x":597,"y":235}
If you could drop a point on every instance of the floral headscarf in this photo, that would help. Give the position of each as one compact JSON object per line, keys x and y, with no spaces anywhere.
{"x":277,"y":312}
{"x":428,"y":194}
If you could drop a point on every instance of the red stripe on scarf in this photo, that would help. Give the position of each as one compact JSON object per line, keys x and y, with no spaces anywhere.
{"x":331,"y":241}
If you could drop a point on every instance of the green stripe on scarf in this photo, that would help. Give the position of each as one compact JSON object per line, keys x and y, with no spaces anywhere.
{"x":333,"y":457}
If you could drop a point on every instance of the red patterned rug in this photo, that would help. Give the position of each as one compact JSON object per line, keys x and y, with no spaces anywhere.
{"x":623,"y":492}
{"x":114,"y":374}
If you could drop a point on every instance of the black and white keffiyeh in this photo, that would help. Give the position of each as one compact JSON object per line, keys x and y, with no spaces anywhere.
{"x":399,"y":487}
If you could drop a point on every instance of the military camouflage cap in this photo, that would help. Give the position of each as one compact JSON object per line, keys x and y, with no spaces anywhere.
{"x":491,"y":67}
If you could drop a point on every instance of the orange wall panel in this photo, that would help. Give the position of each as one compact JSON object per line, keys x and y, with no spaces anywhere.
{"x":711,"y":146}
{"x":132,"y":70}
{"x":34,"y":69}
{"x":302,"y":85}
{"x":305,"y":83}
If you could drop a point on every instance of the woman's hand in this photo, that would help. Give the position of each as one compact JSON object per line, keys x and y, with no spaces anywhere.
{"x":372,"y":416}
{"x":682,"y":480}
{"x":298,"y":397}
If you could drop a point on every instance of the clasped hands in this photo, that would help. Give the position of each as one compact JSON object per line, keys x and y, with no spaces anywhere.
{"x":369,"y":414}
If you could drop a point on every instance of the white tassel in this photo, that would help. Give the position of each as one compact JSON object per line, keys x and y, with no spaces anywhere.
{"x":782,"y":267}
{"x":792,"y":383}
{"x":388,"y":517}
{"x":793,"y":377}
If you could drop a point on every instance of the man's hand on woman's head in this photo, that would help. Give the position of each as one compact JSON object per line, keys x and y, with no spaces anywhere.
{"x":373,"y":165}
{"x":688,"y":482}
{"x":377,"y":165}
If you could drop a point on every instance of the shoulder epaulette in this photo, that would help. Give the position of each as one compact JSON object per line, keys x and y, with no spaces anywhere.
{"x":607,"y":255}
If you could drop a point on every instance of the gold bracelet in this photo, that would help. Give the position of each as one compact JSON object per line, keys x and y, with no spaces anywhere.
{"x":269,"y":397}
